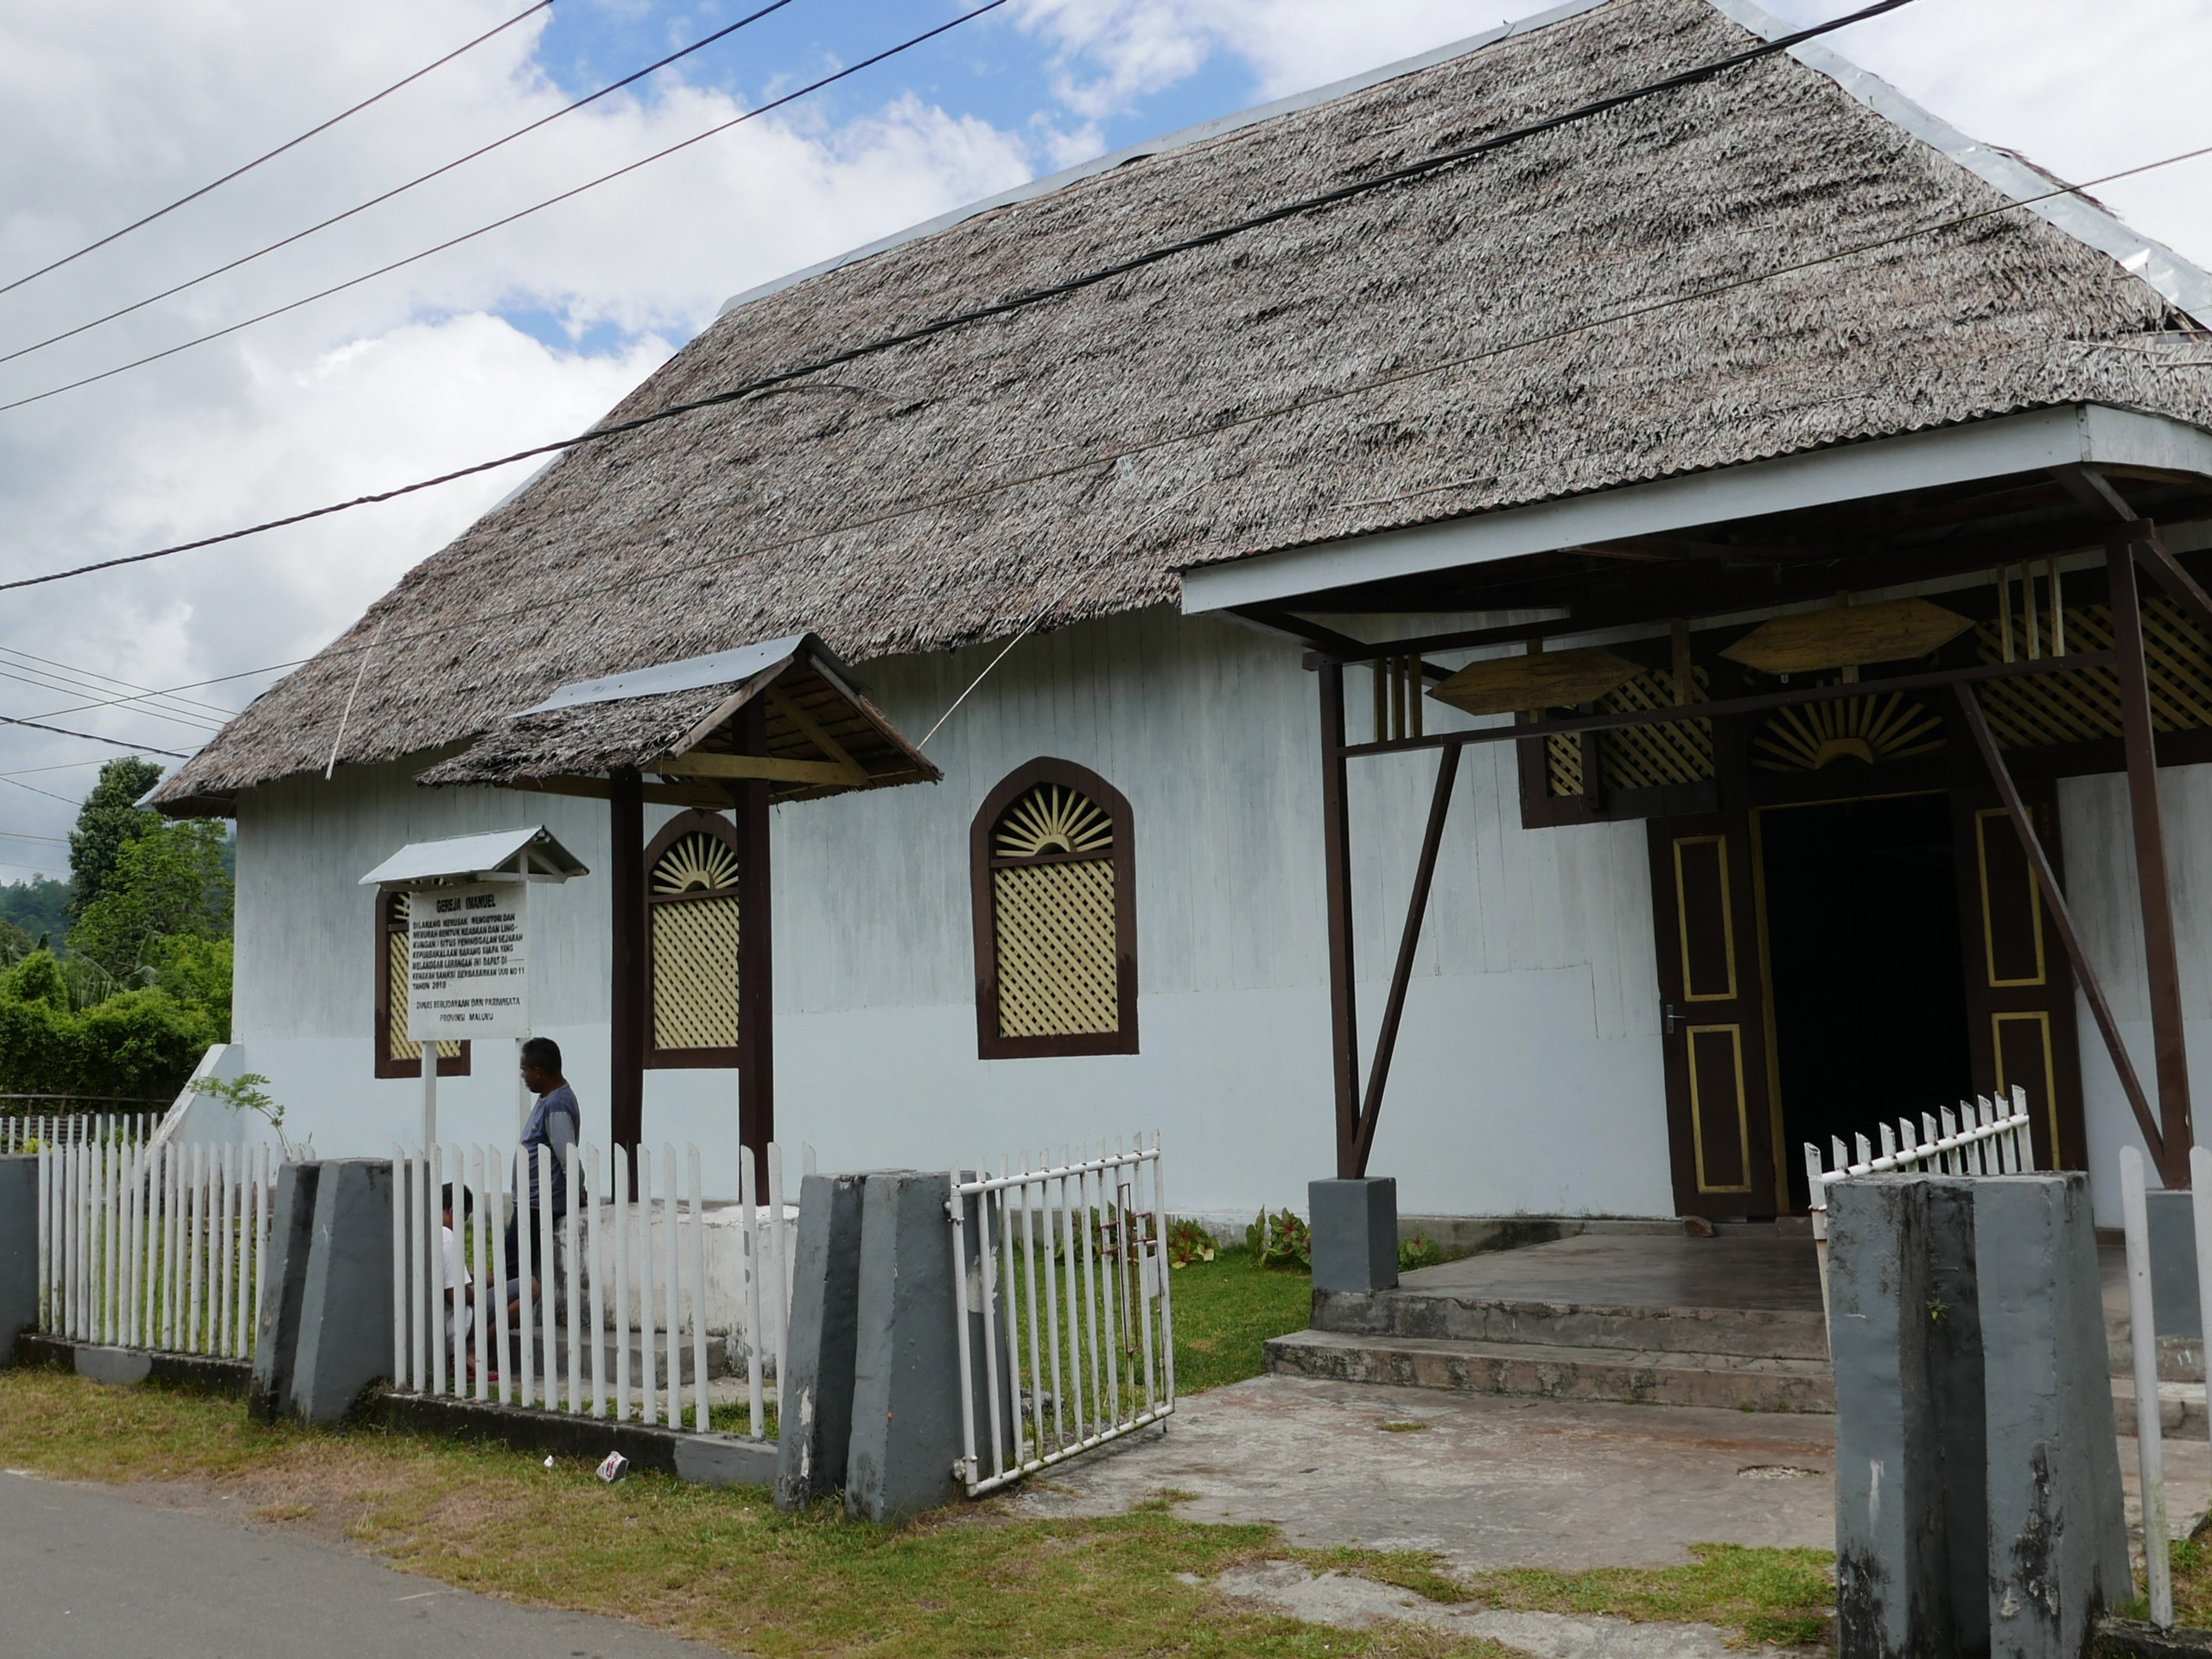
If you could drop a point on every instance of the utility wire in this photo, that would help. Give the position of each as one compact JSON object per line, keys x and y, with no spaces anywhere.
{"x":139,"y":703}
{"x":521,"y":213}
{"x":92,"y":674}
{"x":293,"y":144}
{"x":90,"y":737}
{"x":337,"y":649}
{"x":941,"y":325}
{"x":131,"y":705}
{"x":397,"y":190}
{"x":190,"y":685}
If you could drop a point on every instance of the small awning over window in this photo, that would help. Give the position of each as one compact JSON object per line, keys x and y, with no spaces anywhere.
{"x":684,"y":723}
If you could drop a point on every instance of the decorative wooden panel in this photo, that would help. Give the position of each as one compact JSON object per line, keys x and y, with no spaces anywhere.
{"x":1712,"y":995}
{"x":693,"y":908}
{"x":2019,"y":984}
{"x":2084,"y":704}
{"x":1055,"y":951}
{"x":1719,"y":1117}
{"x":1563,"y":764}
{"x":1869,"y":730}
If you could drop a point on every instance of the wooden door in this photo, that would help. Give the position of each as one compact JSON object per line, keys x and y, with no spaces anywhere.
{"x":2019,"y":985}
{"x":1712,"y":997}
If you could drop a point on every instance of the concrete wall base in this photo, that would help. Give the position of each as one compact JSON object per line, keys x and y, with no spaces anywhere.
{"x":128,"y":1365}
{"x":704,"y":1459}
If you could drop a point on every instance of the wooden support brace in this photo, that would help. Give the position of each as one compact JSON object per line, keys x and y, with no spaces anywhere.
{"x":1343,"y":1028}
{"x":1385,"y":1041}
{"x":2085,"y":973}
{"x":2153,"y":882}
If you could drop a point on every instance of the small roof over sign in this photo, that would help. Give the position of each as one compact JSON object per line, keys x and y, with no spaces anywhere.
{"x":720,"y":668}
{"x":530,"y":851}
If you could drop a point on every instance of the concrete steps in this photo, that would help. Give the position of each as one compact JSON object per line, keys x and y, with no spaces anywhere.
{"x":1561,"y":1372}
{"x":1764,"y":1333}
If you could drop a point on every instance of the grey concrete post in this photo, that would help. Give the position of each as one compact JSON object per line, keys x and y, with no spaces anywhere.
{"x":346,"y":1310}
{"x":1355,"y":1233}
{"x":906,"y":1365}
{"x":814,"y":1393}
{"x":283,"y":1290}
{"x":2058,"y":1540}
{"x":1908,"y":1501}
{"x":18,"y":1252}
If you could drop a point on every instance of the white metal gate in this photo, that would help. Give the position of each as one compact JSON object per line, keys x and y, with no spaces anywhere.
{"x":1060,"y":1280}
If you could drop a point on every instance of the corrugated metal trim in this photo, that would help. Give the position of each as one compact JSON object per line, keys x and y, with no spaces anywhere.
{"x":2185,"y":284}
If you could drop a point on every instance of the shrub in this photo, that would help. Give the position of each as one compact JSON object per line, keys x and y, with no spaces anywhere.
{"x":1281,"y":1240}
{"x":1418,"y":1251}
{"x":1187,"y":1241}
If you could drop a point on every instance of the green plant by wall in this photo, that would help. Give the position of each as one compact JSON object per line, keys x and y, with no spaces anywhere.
{"x":1418,"y":1251}
{"x":1187,"y":1241}
{"x":1282,"y":1240}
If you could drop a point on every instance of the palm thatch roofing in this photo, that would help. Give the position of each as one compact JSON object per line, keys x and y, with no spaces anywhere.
{"x":1475,"y":339}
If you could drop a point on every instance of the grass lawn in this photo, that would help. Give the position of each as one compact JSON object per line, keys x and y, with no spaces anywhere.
{"x":1225,"y":1309}
{"x":722,"y":1567}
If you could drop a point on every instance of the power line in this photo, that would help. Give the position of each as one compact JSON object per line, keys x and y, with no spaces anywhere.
{"x":66,"y":766}
{"x":189,"y":686}
{"x":397,"y":190}
{"x":292,"y":143}
{"x":18,"y":834}
{"x":522,"y":213}
{"x":93,"y":737}
{"x":19,"y":784}
{"x":1001,"y":307}
{"x":1640,"y":309}
{"x":128,"y":685}
{"x":195,"y":722}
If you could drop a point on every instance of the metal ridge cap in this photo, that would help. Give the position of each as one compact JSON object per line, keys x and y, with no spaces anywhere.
{"x":2184,"y":284}
{"x":1182,"y":138}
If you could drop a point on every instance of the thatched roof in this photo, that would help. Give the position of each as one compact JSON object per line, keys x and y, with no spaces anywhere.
{"x":1065,"y":461}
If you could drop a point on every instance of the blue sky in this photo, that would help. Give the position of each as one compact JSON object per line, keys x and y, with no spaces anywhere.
{"x":992,"y":68}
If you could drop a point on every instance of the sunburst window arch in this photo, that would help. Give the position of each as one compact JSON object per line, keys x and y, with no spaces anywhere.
{"x":1053,"y":856}
{"x":693,"y":924}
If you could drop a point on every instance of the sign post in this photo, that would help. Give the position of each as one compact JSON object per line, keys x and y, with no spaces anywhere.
{"x":468,"y":969}
{"x":467,"y":941}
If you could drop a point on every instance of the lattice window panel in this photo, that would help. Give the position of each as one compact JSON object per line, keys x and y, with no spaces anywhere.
{"x":2084,"y":704}
{"x":1058,"y":970}
{"x":1563,"y":764}
{"x":1645,"y":757}
{"x":396,"y":958}
{"x":694,"y":918}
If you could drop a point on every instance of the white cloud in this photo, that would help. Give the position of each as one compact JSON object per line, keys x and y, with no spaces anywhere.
{"x":107,"y":112}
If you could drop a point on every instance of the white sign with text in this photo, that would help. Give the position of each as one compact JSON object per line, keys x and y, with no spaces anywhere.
{"x":467,"y":967}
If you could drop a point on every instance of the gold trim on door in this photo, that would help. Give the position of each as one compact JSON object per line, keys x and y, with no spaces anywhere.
{"x":1690,"y":993}
{"x":2039,"y":1018}
{"x":2041,"y":976}
{"x":1697,"y":1107}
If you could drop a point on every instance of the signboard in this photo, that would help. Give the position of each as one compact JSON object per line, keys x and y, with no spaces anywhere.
{"x":466,"y":964}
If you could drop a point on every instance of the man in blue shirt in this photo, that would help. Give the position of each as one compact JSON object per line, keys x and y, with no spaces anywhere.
{"x":556,"y":1123}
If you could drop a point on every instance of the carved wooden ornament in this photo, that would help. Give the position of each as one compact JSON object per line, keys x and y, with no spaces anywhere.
{"x":1551,"y":679}
{"x":1890,"y":632}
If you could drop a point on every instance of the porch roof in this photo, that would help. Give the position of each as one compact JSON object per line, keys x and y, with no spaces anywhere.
{"x":813,"y":732}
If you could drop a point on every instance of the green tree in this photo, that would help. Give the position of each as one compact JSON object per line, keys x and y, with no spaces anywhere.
{"x":109,"y":821}
{"x":168,"y":884}
{"x":39,"y":907}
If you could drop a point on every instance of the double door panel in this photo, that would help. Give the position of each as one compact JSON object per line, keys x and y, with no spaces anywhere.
{"x":1712,"y":995}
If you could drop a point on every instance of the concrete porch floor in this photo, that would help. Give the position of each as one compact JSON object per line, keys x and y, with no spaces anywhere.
{"x":1766,"y":1269}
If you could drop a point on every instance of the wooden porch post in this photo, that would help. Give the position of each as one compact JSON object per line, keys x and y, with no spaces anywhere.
{"x":2153,"y":881}
{"x":1343,"y":1028}
{"x":625,"y":1012}
{"x":756,"y":1008}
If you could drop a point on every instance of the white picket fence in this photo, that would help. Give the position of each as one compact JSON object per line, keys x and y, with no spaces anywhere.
{"x":1066,"y":1264}
{"x":153,"y":1247}
{"x":1982,"y":1137}
{"x":26,"y":1132}
{"x":632,"y":1299}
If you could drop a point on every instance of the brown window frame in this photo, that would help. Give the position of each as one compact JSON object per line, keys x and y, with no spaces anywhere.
{"x":682,"y":824}
{"x":449,"y":1066}
{"x":989,"y":1044}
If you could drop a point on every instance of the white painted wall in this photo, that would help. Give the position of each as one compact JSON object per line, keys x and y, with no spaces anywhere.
{"x":1528,"y":1076}
{"x":2100,"y":877}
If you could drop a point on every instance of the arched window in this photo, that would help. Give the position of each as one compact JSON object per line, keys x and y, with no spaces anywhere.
{"x":1053,"y":855}
{"x":396,"y":1056}
{"x":691,"y":912}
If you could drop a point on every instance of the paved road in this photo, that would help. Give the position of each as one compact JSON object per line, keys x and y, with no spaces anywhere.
{"x":91,"y":1574}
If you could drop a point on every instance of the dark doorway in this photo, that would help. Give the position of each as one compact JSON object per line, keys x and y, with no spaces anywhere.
{"x":1870,"y":1013}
